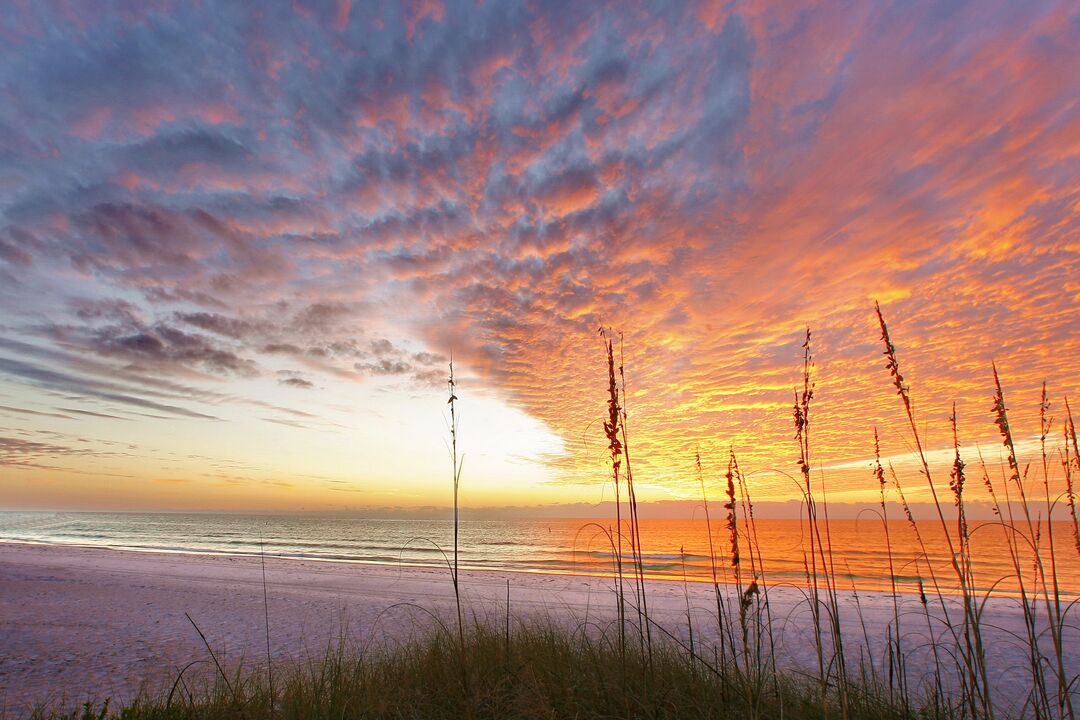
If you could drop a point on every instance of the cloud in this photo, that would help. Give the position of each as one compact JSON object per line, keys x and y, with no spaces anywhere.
{"x":15,"y":249}
{"x":91,"y":413}
{"x":321,"y":316}
{"x":37,"y":413}
{"x":384,"y":367}
{"x":219,"y":324}
{"x":14,"y":451}
{"x":282,"y":349}
{"x":90,"y":388}
{"x":106,"y":309}
{"x":164,"y":345}
{"x":384,"y":359}
{"x":175,"y":148}
{"x":355,"y":191}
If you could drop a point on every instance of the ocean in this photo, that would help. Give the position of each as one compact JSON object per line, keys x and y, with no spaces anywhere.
{"x":671,"y":549}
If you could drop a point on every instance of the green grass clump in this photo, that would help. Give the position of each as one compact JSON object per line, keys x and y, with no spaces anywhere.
{"x":537,"y":672}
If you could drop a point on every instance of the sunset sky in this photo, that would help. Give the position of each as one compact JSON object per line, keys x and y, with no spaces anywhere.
{"x":240,"y":242}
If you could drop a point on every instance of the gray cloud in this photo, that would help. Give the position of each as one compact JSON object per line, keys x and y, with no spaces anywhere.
{"x":88,"y":387}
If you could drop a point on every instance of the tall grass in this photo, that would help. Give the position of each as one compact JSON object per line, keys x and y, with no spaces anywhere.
{"x":455,"y":573}
{"x":1067,"y":462}
{"x":619,"y":449}
{"x":615,"y":447}
{"x":976,"y":686}
{"x":544,"y":672}
{"x":896,"y":668}
{"x":954,"y":634}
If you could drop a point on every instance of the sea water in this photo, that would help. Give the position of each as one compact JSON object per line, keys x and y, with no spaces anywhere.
{"x":783,"y":552}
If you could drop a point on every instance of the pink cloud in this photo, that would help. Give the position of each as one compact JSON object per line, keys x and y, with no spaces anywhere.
{"x":417,"y":10}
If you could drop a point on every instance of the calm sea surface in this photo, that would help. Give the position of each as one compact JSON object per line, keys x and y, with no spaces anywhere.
{"x":672,"y":549}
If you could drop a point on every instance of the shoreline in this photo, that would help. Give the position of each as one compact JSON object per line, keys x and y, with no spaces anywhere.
{"x":150,"y":550}
{"x":85,"y":622}
{"x":881,"y":587}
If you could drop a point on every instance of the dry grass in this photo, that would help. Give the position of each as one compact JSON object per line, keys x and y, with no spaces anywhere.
{"x":541,"y":673}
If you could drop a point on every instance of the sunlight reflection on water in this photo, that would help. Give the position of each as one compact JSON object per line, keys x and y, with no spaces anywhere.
{"x":672,"y":549}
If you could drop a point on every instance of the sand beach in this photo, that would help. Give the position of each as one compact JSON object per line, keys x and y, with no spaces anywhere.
{"x":80,"y":623}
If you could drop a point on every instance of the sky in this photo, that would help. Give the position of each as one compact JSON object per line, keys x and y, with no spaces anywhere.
{"x":240,"y":243}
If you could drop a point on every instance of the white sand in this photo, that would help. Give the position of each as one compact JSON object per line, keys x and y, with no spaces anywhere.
{"x":78,"y":623}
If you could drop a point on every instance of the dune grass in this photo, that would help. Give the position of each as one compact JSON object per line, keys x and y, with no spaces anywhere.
{"x":540,"y":671}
